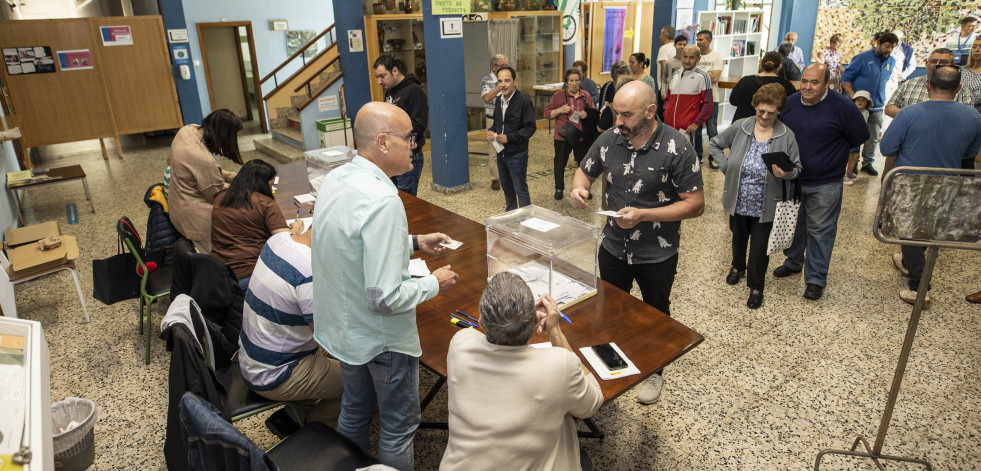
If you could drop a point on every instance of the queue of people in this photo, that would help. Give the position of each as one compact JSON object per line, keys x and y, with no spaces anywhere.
{"x":329,"y":315}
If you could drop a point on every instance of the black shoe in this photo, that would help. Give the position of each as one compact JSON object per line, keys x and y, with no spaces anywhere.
{"x":867,"y":168}
{"x":281,"y":424}
{"x":734,"y":276}
{"x":558,"y":194}
{"x":755,"y":299}
{"x":783,"y":271}
{"x":813,"y":291}
{"x":713,"y":164}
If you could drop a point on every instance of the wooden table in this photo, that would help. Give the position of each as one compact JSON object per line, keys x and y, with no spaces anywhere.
{"x":648,"y":337}
{"x":55,"y":175}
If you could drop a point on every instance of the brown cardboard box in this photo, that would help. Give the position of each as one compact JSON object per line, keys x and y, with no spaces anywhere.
{"x":29,"y":259}
{"x":28,"y":234}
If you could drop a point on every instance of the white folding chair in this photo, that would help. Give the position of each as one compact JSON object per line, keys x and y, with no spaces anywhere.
{"x":9,"y":302}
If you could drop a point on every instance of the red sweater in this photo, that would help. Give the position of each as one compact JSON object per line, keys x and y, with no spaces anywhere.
{"x":689,"y":99}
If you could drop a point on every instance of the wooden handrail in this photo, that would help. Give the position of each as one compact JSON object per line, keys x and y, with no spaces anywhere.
{"x":314,"y":96}
{"x":316,"y":74}
{"x":297,"y":53}
{"x":298,"y":72}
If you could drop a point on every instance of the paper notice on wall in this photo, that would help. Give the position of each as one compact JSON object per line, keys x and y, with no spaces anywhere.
{"x":327,"y":103}
{"x":116,"y":36}
{"x":355,"y":40}
{"x":76,"y":59}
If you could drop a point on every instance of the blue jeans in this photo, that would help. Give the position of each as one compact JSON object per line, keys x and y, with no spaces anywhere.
{"x":711,"y":127}
{"x":243,"y":283}
{"x":394,"y":379}
{"x":513,"y":171}
{"x":817,"y":227}
{"x":875,"y":124}
{"x":409,"y":181}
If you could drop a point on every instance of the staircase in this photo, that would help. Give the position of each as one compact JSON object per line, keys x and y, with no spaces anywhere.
{"x":292,"y":121}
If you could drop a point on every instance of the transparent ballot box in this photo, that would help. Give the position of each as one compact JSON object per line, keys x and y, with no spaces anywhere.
{"x":321,"y":161}
{"x":552,"y":253}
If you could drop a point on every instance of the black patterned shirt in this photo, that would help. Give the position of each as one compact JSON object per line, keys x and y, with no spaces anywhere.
{"x":649,"y":177}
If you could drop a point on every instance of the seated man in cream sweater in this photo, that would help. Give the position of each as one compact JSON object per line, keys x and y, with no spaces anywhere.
{"x":510,"y":404}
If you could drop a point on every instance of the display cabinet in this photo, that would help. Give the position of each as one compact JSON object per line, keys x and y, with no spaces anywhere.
{"x":738,"y":37}
{"x":400,"y":35}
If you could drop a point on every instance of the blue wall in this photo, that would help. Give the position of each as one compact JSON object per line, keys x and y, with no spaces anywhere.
{"x":270,"y":45}
{"x":799,"y":16}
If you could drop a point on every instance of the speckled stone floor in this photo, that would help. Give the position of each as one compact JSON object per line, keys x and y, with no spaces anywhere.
{"x":768,"y":389}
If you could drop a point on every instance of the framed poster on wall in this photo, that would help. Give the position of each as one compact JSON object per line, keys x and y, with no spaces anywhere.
{"x":613,"y":36}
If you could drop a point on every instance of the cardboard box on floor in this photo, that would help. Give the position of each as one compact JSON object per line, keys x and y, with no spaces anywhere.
{"x":27,"y":259}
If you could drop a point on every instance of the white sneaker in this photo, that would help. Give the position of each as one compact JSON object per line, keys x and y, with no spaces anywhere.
{"x":909,"y":297}
{"x":897,"y":259}
{"x":650,"y":389}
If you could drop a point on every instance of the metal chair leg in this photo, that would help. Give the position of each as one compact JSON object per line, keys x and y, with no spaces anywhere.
{"x":142,"y":300}
{"x":81,"y":297}
{"x":149,"y":316}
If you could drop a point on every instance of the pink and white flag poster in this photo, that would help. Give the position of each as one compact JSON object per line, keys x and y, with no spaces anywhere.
{"x":116,"y":36}
{"x":75,"y":59}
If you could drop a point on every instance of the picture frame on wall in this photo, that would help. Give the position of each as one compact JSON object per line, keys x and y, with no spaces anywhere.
{"x":296,"y":39}
{"x":279,"y":25}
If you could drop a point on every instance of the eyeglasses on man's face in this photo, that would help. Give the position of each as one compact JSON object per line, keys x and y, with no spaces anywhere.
{"x":411,"y":137}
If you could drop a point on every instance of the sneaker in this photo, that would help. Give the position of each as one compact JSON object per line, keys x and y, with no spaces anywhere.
{"x":496,"y":185}
{"x":869,"y":170}
{"x":650,"y":389}
{"x":782,"y":271}
{"x":850,"y":178}
{"x":897,"y":259}
{"x":909,"y":297}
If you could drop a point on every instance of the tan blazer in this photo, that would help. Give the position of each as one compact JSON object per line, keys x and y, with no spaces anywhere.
{"x":195,"y":179}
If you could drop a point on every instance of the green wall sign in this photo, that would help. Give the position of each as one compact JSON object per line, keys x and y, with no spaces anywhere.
{"x":451,"y":7}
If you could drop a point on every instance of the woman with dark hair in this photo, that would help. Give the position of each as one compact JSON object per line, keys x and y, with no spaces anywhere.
{"x":742,"y":94}
{"x":788,"y":69}
{"x":638,"y":64}
{"x":606,"y":92}
{"x":751,"y":190}
{"x":195,"y":175}
{"x":244,"y":217}
{"x":568,"y":106}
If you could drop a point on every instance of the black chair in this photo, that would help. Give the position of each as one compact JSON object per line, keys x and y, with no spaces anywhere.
{"x":314,"y":447}
{"x":153,"y":284}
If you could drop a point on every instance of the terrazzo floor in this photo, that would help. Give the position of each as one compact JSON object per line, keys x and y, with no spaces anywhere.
{"x":767,"y":389}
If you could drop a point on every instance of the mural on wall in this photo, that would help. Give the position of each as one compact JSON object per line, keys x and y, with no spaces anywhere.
{"x":928,"y":24}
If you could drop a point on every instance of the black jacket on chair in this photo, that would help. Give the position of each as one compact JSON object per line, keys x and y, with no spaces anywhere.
{"x":214,"y":287}
{"x":160,"y":233}
{"x":188,"y":372}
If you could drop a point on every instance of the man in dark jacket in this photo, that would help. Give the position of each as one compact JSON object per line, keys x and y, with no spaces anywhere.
{"x":404,"y":92}
{"x":514,"y":124}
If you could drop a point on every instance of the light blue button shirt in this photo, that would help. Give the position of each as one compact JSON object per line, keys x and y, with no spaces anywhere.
{"x":364,"y":300}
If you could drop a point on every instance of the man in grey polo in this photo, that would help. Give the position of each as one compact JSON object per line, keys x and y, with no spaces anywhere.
{"x":653,"y":182}
{"x":489,"y":89}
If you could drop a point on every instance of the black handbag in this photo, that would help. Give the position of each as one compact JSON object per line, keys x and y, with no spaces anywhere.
{"x":114,"y":279}
{"x":570,"y":132}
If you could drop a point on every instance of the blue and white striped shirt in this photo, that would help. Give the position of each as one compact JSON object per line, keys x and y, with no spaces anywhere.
{"x":278,"y":308}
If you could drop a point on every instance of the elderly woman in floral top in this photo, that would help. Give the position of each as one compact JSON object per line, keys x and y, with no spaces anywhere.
{"x":831,"y":57}
{"x":751,"y":190}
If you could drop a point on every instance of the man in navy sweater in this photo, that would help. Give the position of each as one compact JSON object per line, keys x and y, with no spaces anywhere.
{"x":870,"y":71}
{"x":826,"y":124}
{"x":936,"y":133}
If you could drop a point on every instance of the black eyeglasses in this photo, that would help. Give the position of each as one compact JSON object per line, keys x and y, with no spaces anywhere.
{"x":410,"y":136}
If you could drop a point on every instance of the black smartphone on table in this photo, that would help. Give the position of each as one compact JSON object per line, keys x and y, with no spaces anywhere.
{"x":610,"y":357}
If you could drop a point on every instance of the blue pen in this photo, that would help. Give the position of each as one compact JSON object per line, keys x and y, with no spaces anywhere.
{"x":561,"y":313}
{"x":465,"y":315}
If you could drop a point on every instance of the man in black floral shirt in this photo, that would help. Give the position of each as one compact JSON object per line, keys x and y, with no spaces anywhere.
{"x":653,"y":182}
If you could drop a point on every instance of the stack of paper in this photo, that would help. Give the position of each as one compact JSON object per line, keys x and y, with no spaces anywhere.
{"x":563,"y":290}
{"x":22,"y":176}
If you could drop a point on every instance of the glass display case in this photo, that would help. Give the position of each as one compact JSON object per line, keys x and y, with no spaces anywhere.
{"x":552,"y":253}
{"x":539,"y":60}
{"x":400,"y":35}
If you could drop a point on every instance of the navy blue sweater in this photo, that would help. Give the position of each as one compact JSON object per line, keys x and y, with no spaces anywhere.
{"x":825,"y":132}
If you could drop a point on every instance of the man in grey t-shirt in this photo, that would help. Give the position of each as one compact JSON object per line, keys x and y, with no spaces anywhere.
{"x":653,"y":182}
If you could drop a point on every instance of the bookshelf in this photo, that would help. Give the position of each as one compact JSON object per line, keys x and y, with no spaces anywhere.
{"x":738,"y":37}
